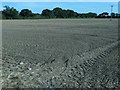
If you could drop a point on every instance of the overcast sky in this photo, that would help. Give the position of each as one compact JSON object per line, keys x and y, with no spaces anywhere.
{"x":80,"y":7}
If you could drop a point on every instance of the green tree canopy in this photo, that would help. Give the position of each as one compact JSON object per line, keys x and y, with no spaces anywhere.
{"x":26,"y":13}
{"x":92,"y":15}
{"x":71,"y":13}
{"x":48,"y":13}
{"x":10,"y":12}
{"x":58,"y":12}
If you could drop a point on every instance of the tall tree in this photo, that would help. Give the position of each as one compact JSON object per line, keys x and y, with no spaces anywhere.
{"x":10,"y":12}
{"x":58,"y":12}
{"x":113,"y":15}
{"x":64,"y":14}
{"x":105,"y":14}
{"x":71,"y":14}
{"x":91,"y":15}
{"x":26,"y":13}
{"x":117,"y":15}
{"x":47,"y":13}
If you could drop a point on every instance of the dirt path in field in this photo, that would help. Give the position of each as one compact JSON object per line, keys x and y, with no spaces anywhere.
{"x":97,"y":68}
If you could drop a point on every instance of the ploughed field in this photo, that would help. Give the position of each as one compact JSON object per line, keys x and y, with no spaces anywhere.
{"x":60,"y":53}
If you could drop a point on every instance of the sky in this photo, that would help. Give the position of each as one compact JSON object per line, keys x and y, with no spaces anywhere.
{"x":59,"y":0}
{"x":80,"y":7}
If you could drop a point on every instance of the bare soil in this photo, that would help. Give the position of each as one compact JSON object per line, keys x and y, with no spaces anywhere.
{"x":60,"y":53}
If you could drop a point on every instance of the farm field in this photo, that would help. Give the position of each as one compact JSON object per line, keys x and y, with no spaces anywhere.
{"x":60,"y":53}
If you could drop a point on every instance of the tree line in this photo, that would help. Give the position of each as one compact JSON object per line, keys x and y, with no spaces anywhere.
{"x":12,"y":13}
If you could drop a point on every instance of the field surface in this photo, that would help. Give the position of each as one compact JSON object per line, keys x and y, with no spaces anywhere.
{"x":60,"y":53}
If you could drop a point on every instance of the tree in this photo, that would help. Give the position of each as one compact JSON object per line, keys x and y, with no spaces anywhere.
{"x":10,"y":13}
{"x":26,"y":13}
{"x":71,"y":14}
{"x":58,"y":12}
{"x":91,"y":15}
{"x":64,"y":14}
{"x":113,"y":15}
{"x":103,"y":15}
{"x":47,"y":13}
{"x":117,"y":15}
